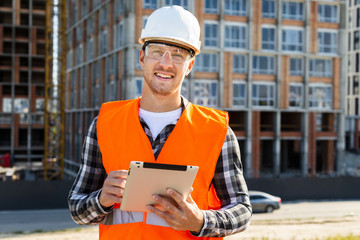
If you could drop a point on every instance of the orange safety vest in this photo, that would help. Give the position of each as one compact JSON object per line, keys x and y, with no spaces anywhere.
{"x":197,"y":139}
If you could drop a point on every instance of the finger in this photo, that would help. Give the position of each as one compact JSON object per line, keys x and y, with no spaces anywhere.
{"x":189,"y":199}
{"x":119,"y":174}
{"x":179,"y":199}
{"x":157,"y":211}
{"x":167,"y":203}
{"x":117,"y":191}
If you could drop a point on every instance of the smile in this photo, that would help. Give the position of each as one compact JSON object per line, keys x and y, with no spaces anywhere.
{"x":162,"y":75}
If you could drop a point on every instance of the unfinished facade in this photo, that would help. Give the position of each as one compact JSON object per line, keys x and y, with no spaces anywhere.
{"x":275,"y":66}
{"x":22,"y":77}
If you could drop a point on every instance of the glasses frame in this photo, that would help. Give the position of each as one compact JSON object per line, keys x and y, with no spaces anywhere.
{"x":146,"y":45}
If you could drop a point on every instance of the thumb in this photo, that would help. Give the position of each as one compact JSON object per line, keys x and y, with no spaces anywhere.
{"x":189,"y":198}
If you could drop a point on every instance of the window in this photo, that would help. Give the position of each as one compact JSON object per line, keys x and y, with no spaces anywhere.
{"x":111,"y":78}
{"x":138,"y":87}
{"x":292,"y":40}
{"x":150,"y":4}
{"x":183,"y":3}
{"x":211,"y":6}
{"x":137,"y":64}
{"x":205,"y":93}
{"x":118,"y":8}
{"x":268,"y":9}
{"x":355,"y":85}
{"x":73,"y":90}
{"x":268,"y":38}
{"x":144,"y":20}
{"x":79,"y":33}
{"x":40,"y":105}
{"x":327,"y":42}
{"x":6,"y":108}
{"x":69,"y":39}
{"x":321,"y":67}
{"x":96,"y":3}
{"x":296,"y":67}
{"x":263,"y":94}
{"x":320,"y":96}
{"x":239,"y":93}
{"x":264,"y":65}
{"x":185,"y":88}
{"x":79,"y":54}
{"x":357,"y":39}
{"x":103,"y":43}
{"x":95,"y":99}
{"x":119,"y":36}
{"x":84,"y":7}
{"x":206,"y":62}
{"x":235,"y":36}
{"x":296,"y":96}
{"x":293,"y":10}
{"x":328,"y":13}
{"x":104,"y":15}
{"x":235,"y":7}
{"x":239,"y":64}
{"x":90,"y":49}
{"x":74,"y":12}
{"x":83,"y":87}
{"x":69,"y":59}
{"x":211,"y":35}
{"x":90,"y":26}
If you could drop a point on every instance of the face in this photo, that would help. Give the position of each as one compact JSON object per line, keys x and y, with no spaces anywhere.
{"x":162,"y":76}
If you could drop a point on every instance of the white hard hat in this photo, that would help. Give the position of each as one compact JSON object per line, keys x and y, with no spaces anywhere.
{"x":173,"y":24}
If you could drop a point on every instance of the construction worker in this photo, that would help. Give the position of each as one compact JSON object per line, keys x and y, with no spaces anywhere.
{"x":163,"y":127}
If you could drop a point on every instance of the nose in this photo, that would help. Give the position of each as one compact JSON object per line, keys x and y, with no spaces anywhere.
{"x":166,"y":59}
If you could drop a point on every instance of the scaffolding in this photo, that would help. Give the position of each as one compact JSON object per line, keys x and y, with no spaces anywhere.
{"x":54,"y":89}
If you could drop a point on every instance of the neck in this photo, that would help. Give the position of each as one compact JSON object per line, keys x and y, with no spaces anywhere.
{"x":158,"y":103}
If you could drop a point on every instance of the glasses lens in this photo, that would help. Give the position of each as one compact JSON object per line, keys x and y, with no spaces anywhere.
{"x":158,"y":51}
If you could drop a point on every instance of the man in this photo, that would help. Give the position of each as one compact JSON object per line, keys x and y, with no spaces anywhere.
{"x":163,"y":127}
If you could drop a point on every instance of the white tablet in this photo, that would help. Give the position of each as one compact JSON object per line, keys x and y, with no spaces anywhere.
{"x":146,"y":179}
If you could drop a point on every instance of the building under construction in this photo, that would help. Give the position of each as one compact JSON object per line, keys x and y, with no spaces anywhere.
{"x":22,"y":78}
{"x":353,"y":77}
{"x":275,"y":66}
{"x":278,"y":68}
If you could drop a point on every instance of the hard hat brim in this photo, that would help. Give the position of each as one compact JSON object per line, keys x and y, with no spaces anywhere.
{"x":172,"y":41}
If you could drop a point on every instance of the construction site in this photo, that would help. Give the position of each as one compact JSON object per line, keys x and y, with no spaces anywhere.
{"x":286,"y":71}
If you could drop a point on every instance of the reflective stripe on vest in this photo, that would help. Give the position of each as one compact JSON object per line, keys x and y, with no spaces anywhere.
{"x":197,"y":139}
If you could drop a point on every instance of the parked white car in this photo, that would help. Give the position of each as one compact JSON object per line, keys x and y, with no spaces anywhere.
{"x":264,"y":202}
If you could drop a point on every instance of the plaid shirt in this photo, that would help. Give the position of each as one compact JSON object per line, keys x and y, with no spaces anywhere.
{"x":228,"y":180}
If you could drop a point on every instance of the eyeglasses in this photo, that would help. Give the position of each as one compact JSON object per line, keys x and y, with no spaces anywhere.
{"x":177,"y":55}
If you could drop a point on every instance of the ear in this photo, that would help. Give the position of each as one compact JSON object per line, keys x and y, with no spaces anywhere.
{"x":190,"y":66}
{"x":141,"y":58}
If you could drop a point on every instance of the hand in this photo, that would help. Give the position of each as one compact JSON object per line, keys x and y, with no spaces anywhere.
{"x":113,"y":188}
{"x":184,"y":214}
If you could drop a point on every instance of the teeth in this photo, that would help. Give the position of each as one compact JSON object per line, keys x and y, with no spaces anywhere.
{"x":163,"y":75}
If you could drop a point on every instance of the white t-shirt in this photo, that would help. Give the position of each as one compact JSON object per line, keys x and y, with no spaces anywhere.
{"x":158,"y":120}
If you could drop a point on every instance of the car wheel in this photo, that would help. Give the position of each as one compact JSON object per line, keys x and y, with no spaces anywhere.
{"x":269,"y":209}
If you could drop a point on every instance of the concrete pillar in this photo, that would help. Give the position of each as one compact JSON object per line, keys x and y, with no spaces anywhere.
{"x":340,"y":146}
{"x":221,"y":32}
{"x":356,"y":133}
{"x":248,"y":143}
{"x":128,"y":83}
{"x":276,"y":146}
{"x":305,"y":145}
{"x":255,"y":147}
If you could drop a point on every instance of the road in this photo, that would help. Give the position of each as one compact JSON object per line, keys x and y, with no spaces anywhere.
{"x":305,"y":220}
{"x":295,"y":220}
